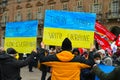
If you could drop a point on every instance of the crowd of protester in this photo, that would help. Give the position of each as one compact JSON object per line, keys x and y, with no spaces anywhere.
{"x":64,"y":63}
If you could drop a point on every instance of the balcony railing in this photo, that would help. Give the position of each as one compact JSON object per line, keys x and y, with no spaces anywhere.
{"x":113,"y":15}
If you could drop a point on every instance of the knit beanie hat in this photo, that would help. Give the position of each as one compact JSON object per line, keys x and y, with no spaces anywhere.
{"x":66,"y":44}
{"x":76,"y":50}
{"x":11,"y":51}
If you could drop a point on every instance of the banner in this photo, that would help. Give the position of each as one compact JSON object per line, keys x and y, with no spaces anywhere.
{"x":103,"y":43}
{"x":114,"y":47}
{"x":118,"y":41}
{"x":77,"y":26}
{"x":105,"y":69}
{"x":101,"y":29}
{"x":21,"y":36}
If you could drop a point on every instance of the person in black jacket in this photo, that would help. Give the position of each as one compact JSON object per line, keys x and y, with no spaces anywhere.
{"x":10,"y":67}
{"x":1,"y":50}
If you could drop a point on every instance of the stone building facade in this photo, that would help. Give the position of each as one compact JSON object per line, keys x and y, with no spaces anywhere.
{"x":108,"y":11}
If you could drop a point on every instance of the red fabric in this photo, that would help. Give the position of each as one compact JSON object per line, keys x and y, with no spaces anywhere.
{"x":118,"y":41}
{"x":101,"y":29}
{"x":103,"y":43}
{"x":81,"y":50}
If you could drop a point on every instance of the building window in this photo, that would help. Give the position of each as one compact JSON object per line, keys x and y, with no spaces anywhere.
{"x":28,"y":0}
{"x":79,"y":5}
{"x":115,"y":0}
{"x":39,"y":13}
{"x":79,"y":2}
{"x":40,"y":9}
{"x":96,"y":8}
{"x":18,"y":16}
{"x":114,"y":8}
{"x":51,"y":6}
{"x":18,"y":1}
{"x":95,"y":1}
{"x":5,"y":17}
{"x":29,"y":14}
{"x":65,"y":6}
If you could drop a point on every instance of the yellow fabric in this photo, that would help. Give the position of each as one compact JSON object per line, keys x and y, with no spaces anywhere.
{"x":55,"y":36}
{"x":17,"y":56}
{"x":21,"y":44}
{"x":65,"y":56}
{"x":66,"y":70}
{"x":38,"y":65}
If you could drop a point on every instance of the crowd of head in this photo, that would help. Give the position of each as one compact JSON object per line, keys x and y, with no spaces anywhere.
{"x":65,"y":61}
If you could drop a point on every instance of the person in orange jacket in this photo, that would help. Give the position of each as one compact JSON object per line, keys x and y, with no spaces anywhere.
{"x":65,"y":65}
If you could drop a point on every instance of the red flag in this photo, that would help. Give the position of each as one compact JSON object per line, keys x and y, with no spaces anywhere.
{"x":118,"y":41}
{"x":81,"y":50}
{"x":103,"y":43}
{"x":101,"y":29}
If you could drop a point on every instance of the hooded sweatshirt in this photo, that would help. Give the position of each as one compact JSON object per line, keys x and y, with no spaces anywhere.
{"x":65,"y":65}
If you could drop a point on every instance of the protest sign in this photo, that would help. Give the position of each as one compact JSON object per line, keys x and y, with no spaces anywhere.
{"x":77,"y":26}
{"x":118,"y":41}
{"x":104,"y":44}
{"x":21,"y":36}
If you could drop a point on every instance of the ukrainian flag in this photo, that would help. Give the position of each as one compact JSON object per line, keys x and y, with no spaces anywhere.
{"x":77,"y":26}
{"x":21,"y":35}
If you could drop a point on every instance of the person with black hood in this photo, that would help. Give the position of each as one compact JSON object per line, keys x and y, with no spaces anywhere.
{"x":10,"y":67}
{"x":64,"y":65}
{"x":76,"y":52}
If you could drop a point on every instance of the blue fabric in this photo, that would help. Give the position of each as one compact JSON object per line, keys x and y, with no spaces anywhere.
{"x":22,"y":29}
{"x":106,"y":69}
{"x":70,"y":20}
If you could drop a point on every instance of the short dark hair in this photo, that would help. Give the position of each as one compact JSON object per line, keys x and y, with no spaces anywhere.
{"x":96,"y":55}
{"x":11,"y":51}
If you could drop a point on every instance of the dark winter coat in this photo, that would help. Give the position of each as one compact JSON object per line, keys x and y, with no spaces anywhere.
{"x":10,"y":67}
{"x":114,"y":75}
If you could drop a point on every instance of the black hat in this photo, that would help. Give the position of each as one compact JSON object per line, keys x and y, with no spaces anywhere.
{"x":66,"y":44}
{"x":11,"y":51}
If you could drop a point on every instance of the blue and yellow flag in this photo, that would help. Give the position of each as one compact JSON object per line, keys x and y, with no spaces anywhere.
{"x":21,"y":35}
{"x":77,"y":26}
{"x":105,"y":69}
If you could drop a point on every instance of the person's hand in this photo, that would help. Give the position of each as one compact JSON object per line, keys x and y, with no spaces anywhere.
{"x":42,"y":45}
{"x":94,"y":65}
{"x":92,"y":47}
{"x":2,"y":49}
{"x":34,"y":50}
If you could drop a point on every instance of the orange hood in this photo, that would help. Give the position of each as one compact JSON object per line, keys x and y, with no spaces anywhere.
{"x":65,"y":56}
